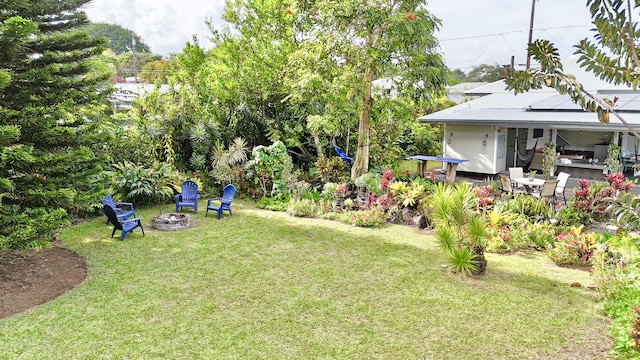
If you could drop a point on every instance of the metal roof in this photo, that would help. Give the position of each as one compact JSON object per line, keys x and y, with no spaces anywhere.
{"x":523,"y":118}
{"x":542,"y":108}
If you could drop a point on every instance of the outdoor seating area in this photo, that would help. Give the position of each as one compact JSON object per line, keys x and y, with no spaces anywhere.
{"x":118,"y":216}
{"x":370,"y":197}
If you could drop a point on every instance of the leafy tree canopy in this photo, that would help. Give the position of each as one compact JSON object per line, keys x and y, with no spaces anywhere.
{"x":119,"y":39}
{"x":488,"y":73}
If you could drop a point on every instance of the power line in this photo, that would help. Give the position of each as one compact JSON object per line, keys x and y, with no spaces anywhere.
{"x":511,"y":32}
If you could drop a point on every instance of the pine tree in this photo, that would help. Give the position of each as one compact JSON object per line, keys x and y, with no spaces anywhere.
{"x":48,"y":95}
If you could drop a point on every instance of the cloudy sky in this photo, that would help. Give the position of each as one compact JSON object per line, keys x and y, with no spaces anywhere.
{"x":473,"y":32}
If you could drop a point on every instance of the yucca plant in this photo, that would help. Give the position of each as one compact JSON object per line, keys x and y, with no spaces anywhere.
{"x":460,"y":231}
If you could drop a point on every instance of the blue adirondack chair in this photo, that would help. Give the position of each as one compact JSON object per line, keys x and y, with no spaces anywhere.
{"x":121,"y":213}
{"x":188,"y":197}
{"x":125,"y":226}
{"x":228,"y":193}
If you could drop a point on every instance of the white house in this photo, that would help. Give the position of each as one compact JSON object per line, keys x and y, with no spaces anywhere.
{"x":490,"y":130}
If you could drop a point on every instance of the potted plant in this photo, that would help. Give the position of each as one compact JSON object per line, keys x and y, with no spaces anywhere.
{"x":549,"y":156}
{"x":613,"y":158}
{"x":532,"y":174}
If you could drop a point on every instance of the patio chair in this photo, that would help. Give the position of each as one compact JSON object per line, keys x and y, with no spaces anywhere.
{"x":514,"y":173}
{"x":548,"y":190}
{"x":562,"y":183}
{"x":507,"y":188}
{"x":188,"y":197}
{"x":228,"y":193}
{"x":125,"y":226}
{"x":121,"y":213}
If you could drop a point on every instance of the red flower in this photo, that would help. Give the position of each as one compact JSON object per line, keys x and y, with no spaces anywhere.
{"x":409,"y":16}
{"x":289,"y":11}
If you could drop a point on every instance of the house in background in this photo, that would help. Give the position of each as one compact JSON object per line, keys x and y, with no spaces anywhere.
{"x":464,"y":91}
{"x":494,"y":129}
{"x":124,"y":94}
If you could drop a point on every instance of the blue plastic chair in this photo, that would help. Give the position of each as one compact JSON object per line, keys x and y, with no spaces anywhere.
{"x":188,"y":197}
{"x":342,"y":155}
{"x":121,"y":213}
{"x":228,"y":193}
{"x":125,"y":226}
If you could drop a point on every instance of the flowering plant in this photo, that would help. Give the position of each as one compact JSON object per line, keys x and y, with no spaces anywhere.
{"x":573,"y":248}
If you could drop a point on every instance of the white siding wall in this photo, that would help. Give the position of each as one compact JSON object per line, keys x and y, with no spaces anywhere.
{"x":478,"y":144}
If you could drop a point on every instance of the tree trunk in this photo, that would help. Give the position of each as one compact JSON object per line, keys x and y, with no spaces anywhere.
{"x":480,"y":259}
{"x":316,"y":141}
{"x":361,"y":162}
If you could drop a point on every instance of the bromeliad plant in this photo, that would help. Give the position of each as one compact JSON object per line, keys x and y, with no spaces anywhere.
{"x":460,"y":231}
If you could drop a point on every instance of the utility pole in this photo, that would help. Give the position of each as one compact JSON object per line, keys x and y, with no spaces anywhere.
{"x":533,"y":10}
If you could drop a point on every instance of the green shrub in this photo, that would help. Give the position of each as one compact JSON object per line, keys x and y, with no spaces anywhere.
{"x":31,"y":228}
{"x":530,"y":206}
{"x":365,"y":218}
{"x":303,"y":208}
{"x":519,"y":236}
{"x":272,"y":169}
{"x":331,"y":169}
{"x":143,"y":185}
{"x":328,"y":191}
{"x":574,"y":248}
{"x":370,"y":180}
{"x":274,"y":204}
{"x":570,"y":216}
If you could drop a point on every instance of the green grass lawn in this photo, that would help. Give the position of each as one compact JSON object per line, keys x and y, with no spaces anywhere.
{"x":264,"y":285}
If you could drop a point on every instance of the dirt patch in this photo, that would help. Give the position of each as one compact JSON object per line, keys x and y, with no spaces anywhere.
{"x":30,"y":278}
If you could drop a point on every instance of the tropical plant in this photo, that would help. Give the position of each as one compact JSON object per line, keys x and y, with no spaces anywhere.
{"x":303,"y":208}
{"x":143,"y":185}
{"x":626,"y":211}
{"x":330,"y":169}
{"x":272,"y":169}
{"x":227,"y":165}
{"x":573,"y":248}
{"x":548,"y":158}
{"x":530,"y":206}
{"x":613,"y":158}
{"x":460,"y":231}
{"x":372,"y":217}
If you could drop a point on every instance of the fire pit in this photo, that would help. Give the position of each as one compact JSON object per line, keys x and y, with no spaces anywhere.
{"x":171,"y":222}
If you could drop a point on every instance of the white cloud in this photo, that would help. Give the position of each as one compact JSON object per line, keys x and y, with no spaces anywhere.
{"x":165,"y":25}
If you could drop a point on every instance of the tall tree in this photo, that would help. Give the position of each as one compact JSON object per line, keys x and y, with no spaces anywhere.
{"x":489,"y":73}
{"x":119,"y":39}
{"x":370,"y":40}
{"x":612,"y":55}
{"x":46,"y":105}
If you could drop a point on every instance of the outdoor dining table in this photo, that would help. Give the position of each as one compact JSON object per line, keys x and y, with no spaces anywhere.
{"x":452,"y":165}
{"x":529,"y":184}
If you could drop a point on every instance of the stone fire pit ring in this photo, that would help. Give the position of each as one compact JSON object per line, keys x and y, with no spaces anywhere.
{"x":171,"y":222}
